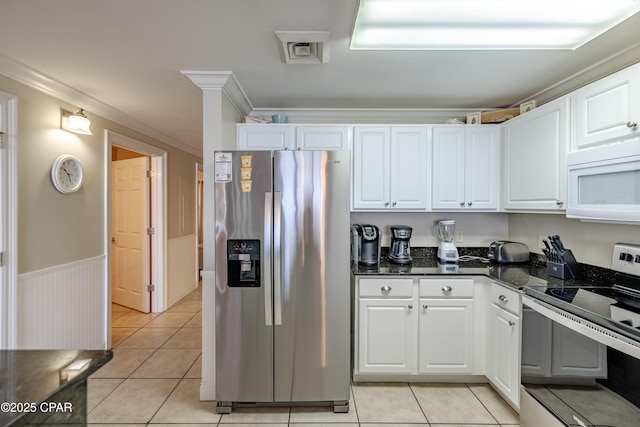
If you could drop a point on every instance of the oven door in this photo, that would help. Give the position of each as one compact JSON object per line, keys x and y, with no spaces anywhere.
{"x":574,"y":372}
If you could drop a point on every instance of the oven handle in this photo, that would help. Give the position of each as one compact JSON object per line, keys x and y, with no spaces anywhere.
{"x":584,"y":327}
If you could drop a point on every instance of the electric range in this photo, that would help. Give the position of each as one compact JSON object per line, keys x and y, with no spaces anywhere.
{"x":615,"y":307}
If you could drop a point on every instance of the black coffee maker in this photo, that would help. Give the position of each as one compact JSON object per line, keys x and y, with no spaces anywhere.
{"x":400,"y":251}
{"x":365,"y":244}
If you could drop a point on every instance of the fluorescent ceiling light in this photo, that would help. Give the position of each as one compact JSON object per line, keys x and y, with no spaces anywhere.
{"x":479,"y":24}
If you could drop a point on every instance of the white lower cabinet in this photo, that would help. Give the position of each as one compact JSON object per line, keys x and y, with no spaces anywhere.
{"x":386,"y":326}
{"x":386,"y":336}
{"x":414,"y":326}
{"x":446,"y":336}
{"x":503,"y":342}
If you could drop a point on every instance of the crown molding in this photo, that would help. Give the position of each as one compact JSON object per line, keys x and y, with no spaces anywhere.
{"x":225,"y":81}
{"x":30,"y":77}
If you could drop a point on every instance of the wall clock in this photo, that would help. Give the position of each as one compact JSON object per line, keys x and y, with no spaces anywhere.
{"x":66,"y":174}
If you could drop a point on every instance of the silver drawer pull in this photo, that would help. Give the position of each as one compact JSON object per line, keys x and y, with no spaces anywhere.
{"x":631,"y":124}
{"x":503,"y":299}
{"x":512,"y":323}
{"x":386,"y":288}
{"x":410,"y":306}
{"x":447,"y":289}
{"x":425,"y":306}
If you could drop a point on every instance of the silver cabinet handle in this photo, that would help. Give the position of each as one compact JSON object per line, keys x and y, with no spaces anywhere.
{"x":385,"y":288}
{"x":447,"y":289}
{"x":469,"y":203}
{"x":386,"y":203}
{"x":410,"y":306}
{"x":462,"y":203}
{"x":503,"y":299}
{"x":394,"y":203}
{"x":425,"y":306}
{"x":512,"y":323}
{"x":559,"y":202}
{"x":631,"y":124}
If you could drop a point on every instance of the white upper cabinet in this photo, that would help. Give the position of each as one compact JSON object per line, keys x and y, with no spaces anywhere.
{"x":535,"y":158}
{"x":608,"y":109}
{"x":293,"y":137}
{"x":465,"y":167}
{"x":265,"y":137}
{"x":323,"y":137}
{"x":390,"y":165}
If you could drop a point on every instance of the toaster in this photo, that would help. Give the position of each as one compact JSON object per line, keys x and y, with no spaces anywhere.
{"x":507,"y":252}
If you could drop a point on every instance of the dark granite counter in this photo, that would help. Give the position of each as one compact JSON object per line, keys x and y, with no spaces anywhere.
{"x":44,"y":387}
{"x":425,"y":263}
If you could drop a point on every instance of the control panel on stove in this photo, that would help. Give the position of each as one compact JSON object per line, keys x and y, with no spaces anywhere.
{"x":626,"y":258}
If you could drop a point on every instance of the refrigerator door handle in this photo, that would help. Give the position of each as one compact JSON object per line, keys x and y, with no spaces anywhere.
{"x":277,"y":255}
{"x":268,"y":234}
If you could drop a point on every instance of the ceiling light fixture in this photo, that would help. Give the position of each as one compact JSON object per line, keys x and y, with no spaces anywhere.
{"x":303,"y":47}
{"x":489,"y":25}
{"x":75,"y":122}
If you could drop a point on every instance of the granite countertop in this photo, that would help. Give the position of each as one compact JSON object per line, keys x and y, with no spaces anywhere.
{"x":30,"y":377}
{"x":534,"y":272}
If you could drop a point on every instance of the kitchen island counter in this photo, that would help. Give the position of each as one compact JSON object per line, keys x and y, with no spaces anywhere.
{"x":44,"y":387}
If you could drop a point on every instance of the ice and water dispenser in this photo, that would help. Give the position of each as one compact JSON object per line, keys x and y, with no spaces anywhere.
{"x":243,"y":263}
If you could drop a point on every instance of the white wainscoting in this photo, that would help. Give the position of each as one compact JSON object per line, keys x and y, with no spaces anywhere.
{"x":63,"y":307}
{"x":182,"y":268}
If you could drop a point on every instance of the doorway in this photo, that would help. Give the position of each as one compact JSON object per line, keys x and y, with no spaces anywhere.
{"x":130,"y":222}
{"x":156,"y":214}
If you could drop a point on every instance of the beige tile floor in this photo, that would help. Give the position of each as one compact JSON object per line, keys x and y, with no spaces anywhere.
{"x":154,"y":379}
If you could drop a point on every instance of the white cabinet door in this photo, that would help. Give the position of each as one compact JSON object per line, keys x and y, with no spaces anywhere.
{"x":409,"y":156}
{"x":390,"y":168}
{"x":481,"y":167}
{"x":446,"y":336}
{"x":535,"y":158}
{"x":265,"y":137}
{"x":371,"y":179}
{"x":608,"y":109}
{"x":503,"y":370}
{"x":465,"y":167}
{"x":448,"y":167}
{"x":323,"y":137}
{"x":386,"y":336}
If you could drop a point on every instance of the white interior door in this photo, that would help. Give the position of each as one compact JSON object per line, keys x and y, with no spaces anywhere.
{"x":130,"y":243}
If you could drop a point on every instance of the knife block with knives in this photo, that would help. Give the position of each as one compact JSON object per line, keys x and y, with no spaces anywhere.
{"x":560,"y":261}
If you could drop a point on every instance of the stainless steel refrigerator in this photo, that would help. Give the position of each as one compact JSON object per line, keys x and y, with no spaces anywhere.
{"x":282,"y":278}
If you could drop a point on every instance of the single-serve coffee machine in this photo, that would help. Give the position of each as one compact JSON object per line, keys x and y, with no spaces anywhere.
{"x":400,"y":250}
{"x":365,"y":244}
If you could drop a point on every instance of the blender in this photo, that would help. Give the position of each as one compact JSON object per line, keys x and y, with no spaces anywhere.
{"x":447,"y":251}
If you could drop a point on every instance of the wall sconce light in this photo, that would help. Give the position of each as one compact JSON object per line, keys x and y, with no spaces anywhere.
{"x":75,"y":122}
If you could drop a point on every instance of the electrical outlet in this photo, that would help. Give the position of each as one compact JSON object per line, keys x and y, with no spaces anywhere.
{"x":540,"y":241}
{"x":459,"y":238}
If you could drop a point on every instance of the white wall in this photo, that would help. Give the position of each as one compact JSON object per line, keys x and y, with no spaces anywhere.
{"x":478,"y":229}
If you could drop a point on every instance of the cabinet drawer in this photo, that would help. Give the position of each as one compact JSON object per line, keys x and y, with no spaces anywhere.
{"x":390,"y":288}
{"x":506,"y":298}
{"x":446,"y":288}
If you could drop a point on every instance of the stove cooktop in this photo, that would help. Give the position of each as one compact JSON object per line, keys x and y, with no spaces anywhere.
{"x":615,"y":307}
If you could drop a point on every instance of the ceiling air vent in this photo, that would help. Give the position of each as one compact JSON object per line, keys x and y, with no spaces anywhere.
{"x":303,"y":47}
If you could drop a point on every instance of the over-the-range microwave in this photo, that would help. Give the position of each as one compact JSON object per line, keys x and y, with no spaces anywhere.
{"x":604,"y":183}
